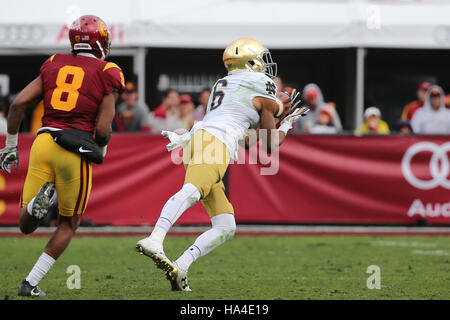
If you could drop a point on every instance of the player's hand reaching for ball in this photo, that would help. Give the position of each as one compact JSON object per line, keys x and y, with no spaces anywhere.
{"x":287,"y":102}
{"x":292,"y":117}
{"x":292,"y":112}
{"x":296,"y":114}
{"x":295,"y":99}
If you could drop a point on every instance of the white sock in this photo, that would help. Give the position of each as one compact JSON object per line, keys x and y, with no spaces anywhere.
{"x":223,"y":228}
{"x":173,"y":209}
{"x":40,"y":269}
{"x":189,"y":256}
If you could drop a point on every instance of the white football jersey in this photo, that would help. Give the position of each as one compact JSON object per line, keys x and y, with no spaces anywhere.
{"x":230,"y":111}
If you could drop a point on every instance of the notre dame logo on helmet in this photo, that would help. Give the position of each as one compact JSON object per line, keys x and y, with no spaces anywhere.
{"x":271,"y":88}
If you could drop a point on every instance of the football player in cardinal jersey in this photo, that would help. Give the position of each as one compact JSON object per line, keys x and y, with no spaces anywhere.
{"x":244,"y":99}
{"x":79,"y":92}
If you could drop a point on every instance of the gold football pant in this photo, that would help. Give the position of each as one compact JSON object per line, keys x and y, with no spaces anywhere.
{"x":71,"y":174}
{"x":206,"y":160}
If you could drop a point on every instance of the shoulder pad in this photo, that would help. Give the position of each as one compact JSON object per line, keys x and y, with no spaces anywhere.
{"x":111,"y":65}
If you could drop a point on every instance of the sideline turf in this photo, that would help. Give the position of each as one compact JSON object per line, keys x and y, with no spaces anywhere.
{"x":245,"y":268}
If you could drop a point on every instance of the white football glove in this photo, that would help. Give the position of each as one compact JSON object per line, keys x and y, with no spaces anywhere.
{"x":176,"y":140}
{"x":9,"y":154}
{"x":291,"y":118}
{"x":295,"y":98}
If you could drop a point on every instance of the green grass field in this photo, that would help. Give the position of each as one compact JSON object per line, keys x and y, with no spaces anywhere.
{"x":245,"y":268}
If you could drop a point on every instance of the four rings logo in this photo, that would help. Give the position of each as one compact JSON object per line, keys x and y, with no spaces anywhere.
{"x":439,"y":165}
{"x":21,"y":33}
{"x":441,"y":35}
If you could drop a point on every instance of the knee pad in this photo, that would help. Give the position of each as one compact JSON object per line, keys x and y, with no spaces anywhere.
{"x":225,"y":223}
{"x":190,"y":193}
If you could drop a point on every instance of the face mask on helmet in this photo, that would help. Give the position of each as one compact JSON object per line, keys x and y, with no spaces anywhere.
{"x":263,"y":63}
{"x":269,"y":64}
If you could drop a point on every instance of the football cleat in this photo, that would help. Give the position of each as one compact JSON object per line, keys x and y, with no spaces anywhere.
{"x":27,"y":290}
{"x":177,"y":277}
{"x":43,"y":201}
{"x":153,"y":250}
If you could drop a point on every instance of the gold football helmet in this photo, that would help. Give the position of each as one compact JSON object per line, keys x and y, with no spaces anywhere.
{"x":250,"y":55}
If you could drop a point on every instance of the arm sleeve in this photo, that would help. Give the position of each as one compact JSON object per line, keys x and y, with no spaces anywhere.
{"x":114,"y":79}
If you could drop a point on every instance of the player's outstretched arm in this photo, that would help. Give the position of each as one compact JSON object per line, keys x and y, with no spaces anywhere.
{"x":28,"y":97}
{"x":104,"y":120}
{"x":267,"y":109}
{"x":270,"y":135}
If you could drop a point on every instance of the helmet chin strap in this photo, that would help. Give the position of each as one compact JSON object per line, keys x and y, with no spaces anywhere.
{"x":101,"y":49}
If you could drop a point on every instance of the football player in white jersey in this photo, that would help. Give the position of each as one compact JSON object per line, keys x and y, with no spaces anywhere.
{"x":243,"y":99}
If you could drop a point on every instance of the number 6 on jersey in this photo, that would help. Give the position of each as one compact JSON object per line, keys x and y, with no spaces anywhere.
{"x":218,"y":94}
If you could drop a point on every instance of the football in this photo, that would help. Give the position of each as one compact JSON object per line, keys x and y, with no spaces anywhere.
{"x":284,"y":104}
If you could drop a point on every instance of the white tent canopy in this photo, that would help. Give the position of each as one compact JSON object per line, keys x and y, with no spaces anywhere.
{"x":28,"y":27}
{"x":213,"y":24}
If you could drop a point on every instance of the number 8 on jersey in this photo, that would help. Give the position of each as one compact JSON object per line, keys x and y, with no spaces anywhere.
{"x":68,"y":81}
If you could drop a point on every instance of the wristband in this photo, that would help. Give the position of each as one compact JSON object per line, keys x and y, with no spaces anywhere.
{"x":280,"y":108}
{"x":11,"y":140}
{"x":285,"y":127}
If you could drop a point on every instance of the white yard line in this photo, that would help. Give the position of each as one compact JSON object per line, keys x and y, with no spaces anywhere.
{"x":261,"y":229}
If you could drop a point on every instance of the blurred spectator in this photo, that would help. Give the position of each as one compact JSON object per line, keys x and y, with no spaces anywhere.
{"x":36,"y":117}
{"x":313,"y":98}
{"x":373,"y":123}
{"x":169,"y":104}
{"x":412,"y":107}
{"x":186,"y":111}
{"x":433,"y":117}
{"x":203,"y":99}
{"x":404,"y":127}
{"x":447,"y":101}
{"x":3,"y":120}
{"x":324,"y":123}
{"x":131,"y":116}
{"x":288,"y":90}
{"x":167,"y":115}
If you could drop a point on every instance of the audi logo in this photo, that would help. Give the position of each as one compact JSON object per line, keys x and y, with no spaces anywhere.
{"x":439,"y":165}
{"x":442,"y":35}
{"x":21,"y":33}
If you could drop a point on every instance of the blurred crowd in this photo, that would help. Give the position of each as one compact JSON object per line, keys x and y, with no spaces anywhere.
{"x":429,"y":113}
{"x":3,"y":112}
{"x":175,"y":111}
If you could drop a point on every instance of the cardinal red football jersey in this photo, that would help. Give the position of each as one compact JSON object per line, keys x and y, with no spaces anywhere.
{"x":74,"y":87}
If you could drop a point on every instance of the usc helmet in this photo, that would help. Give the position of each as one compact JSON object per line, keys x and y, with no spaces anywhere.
{"x":90,"y":33}
{"x":250,"y":55}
